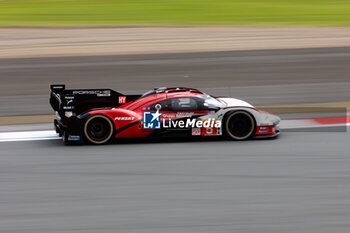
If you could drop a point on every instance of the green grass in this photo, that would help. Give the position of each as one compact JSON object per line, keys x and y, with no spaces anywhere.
{"x":122,"y":12}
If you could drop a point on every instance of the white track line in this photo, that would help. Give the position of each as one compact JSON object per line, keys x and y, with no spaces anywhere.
{"x":28,"y":136}
{"x":314,"y":126}
{"x":306,"y":123}
{"x":51,"y":134}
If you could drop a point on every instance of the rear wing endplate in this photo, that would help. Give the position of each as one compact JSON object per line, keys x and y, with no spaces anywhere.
{"x":78,"y":101}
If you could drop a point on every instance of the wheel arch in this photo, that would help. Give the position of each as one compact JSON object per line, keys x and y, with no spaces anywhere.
{"x":92,"y":116}
{"x":249,"y":111}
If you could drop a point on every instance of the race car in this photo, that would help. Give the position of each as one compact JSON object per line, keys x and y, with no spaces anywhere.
{"x":97,"y":116}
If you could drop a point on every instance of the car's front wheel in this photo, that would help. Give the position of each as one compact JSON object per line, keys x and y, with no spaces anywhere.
{"x":240,"y":125}
{"x":98,"y":129}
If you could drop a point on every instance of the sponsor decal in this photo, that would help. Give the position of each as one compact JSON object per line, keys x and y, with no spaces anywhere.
{"x":210,"y":126}
{"x":122,"y":99}
{"x":124,"y":118}
{"x":168,"y":115}
{"x":266,"y":129}
{"x":192,"y":123}
{"x":73,"y":138}
{"x":184,"y":114}
{"x":68,"y":107}
{"x":98,"y":93}
{"x":68,"y":114}
{"x":151,"y":120}
{"x":69,"y":99}
{"x":196,"y":131}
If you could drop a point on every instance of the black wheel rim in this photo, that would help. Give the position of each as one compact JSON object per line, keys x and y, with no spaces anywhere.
{"x":240,"y":125}
{"x":98,"y":129}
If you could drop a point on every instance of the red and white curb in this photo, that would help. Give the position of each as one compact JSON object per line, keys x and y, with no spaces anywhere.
{"x":285,"y":124}
{"x":315,"y":123}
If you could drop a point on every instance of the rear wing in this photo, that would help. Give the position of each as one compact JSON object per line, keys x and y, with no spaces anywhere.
{"x":77,"y":101}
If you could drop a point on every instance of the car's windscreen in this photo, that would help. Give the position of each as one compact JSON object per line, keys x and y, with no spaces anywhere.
{"x":212,"y":102}
{"x":151,"y":92}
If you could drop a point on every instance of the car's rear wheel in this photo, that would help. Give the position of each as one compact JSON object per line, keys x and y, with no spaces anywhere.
{"x":240,"y":125}
{"x":98,"y":129}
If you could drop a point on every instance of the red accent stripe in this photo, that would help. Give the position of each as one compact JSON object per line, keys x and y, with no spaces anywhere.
{"x":265,"y":130}
{"x":332,"y":120}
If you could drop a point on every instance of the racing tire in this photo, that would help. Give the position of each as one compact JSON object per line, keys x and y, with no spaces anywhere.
{"x":240,"y":125}
{"x":98,"y":129}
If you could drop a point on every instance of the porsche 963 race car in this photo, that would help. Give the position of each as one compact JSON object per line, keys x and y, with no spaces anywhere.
{"x":97,"y":116}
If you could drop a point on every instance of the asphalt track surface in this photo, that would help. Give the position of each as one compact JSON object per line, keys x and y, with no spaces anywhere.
{"x":298,"y":182}
{"x":285,"y":76}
